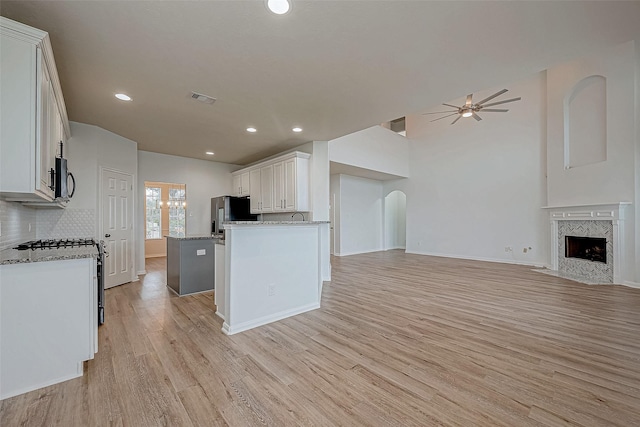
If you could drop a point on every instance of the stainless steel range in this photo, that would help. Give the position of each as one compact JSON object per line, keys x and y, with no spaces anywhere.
{"x":64,"y":245}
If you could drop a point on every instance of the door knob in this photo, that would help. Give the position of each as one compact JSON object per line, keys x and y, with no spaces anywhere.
{"x":107,"y":235}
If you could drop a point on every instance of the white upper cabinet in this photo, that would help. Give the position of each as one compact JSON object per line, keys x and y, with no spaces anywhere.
{"x":255,"y":183}
{"x":241,"y":184}
{"x":266,"y":188}
{"x":261,"y":198}
{"x":33,"y":118}
{"x":280,"y":184}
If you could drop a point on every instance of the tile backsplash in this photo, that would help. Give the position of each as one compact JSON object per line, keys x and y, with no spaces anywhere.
{"x":14,"y":224}
{"x":65,"y":223}
{"x":19,"y":223}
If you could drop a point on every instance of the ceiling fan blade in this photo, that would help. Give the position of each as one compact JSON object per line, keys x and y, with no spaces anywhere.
{"x":443,"y":117}
{"x":452,"y":106}
{"x":475,"y":116}
{"x":441,"y":112}
{"x":494,"y":110}
{"x":468,"y":103}
{"x":492,"y":96}
{"x":457,"y":118}
{"x":503,"y":102}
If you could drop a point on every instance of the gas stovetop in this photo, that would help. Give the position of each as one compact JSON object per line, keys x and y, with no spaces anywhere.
{"x":55,"y":244}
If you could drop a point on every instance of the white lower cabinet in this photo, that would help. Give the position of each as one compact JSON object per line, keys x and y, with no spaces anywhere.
{"x":48,"y":323}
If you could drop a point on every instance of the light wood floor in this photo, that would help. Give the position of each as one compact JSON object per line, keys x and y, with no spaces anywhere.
{"x":400,"y":340}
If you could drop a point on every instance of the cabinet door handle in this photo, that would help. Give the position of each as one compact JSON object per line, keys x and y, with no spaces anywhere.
{"x":52,"y":179}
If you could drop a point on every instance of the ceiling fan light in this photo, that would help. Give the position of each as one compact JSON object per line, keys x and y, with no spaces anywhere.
{"x":467,"y":113}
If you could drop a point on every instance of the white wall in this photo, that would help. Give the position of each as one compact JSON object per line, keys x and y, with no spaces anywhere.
{"x":375,"y":148}
{"x":477,"y":187}
{"x":360,"y":211}
{"x":334,"y":194}
{"x":614,"y":179}
{"x":636,"y":250}
{"x":204,"y":180}
{"x":319,"y":184}
{"x":89,"y":148}
{"x":14,"y":224}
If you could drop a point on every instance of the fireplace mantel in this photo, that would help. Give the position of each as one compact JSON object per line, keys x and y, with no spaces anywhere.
{"x":598,"y":211}
{"x":613,"y":212}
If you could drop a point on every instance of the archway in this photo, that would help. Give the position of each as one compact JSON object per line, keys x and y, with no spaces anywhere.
{"x":395,"y":220}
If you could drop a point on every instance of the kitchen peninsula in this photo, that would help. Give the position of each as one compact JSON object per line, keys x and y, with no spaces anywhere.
{"x":272,"y":270}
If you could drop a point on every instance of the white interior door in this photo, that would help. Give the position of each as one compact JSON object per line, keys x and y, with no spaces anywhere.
{"x":117,"y":226}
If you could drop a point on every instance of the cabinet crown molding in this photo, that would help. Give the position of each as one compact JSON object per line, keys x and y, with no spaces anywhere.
{"x":41,"y":40}
{"x":263,"y":163}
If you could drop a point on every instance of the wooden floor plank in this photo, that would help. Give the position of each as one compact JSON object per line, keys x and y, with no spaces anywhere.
{"x":400,"y":340}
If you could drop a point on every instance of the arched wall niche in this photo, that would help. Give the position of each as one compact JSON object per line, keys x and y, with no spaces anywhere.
{"x":585,"y":122}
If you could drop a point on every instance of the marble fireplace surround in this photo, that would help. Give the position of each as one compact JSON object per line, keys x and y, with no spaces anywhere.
{"x":597,"y":220}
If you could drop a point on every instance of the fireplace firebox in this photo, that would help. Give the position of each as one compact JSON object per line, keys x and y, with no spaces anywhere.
{"x":589,"y":248}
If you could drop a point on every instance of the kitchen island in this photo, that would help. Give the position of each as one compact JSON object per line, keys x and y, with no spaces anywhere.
{"x":190,"y":264}
{"x":272,"y":271}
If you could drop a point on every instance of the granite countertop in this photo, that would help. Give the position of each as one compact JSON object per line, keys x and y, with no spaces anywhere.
{"x":273,"y":222}
{"x":194,"y":237}
{"x":13,"y":256}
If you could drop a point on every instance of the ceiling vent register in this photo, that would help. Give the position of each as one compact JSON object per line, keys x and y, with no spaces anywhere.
{"x":203,"y":98}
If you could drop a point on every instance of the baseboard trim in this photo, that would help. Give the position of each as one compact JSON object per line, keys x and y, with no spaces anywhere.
{"x":79,"y":372}
{"x":473,"y":258}
{"x":141,"y":272}
{"x":230,"y":330}
{"x":358,"y":253}
{"x":631,"y":284}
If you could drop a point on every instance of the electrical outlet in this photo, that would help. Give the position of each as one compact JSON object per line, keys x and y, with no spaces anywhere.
{"x":272,"y":289}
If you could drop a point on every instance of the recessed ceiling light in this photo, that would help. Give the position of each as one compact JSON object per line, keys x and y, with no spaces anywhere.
{"x":209,"y":153}
{"x":123,"y":97}
{"x":297,"y":129}
{"x":252,"y":130}
{"x":279,"y":7}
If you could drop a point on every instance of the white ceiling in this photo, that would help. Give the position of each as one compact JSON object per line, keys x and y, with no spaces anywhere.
{"x":331,"y":67}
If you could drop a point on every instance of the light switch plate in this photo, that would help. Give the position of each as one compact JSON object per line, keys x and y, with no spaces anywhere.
{"x":201,"y":252}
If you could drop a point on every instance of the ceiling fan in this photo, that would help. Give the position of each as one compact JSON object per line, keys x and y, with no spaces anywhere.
{"x":469,"y":109}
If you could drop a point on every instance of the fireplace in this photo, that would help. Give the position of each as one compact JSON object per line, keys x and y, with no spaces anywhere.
{"x":589,"y":248}
{"x":587,"y":242}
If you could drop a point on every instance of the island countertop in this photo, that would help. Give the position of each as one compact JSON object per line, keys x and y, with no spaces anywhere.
{"x":194,"y":237}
